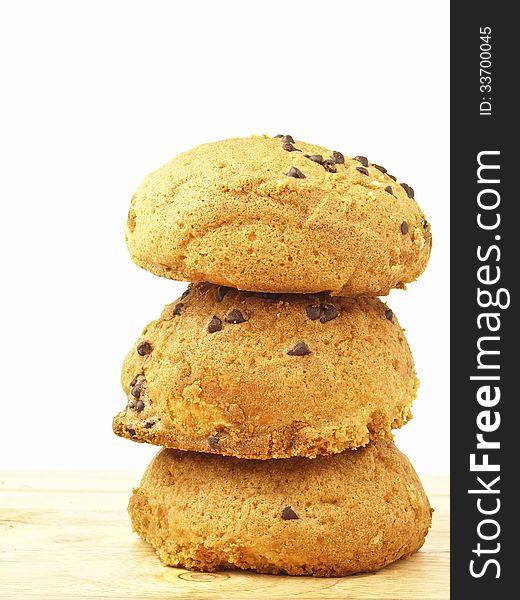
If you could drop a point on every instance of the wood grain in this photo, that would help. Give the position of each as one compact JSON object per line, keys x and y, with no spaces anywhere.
{"x":66,"y":535}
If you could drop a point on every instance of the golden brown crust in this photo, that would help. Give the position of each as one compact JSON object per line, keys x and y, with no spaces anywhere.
{"x":226,"y":212}
{"x":301,"y":375}
{"x":330,"y":516}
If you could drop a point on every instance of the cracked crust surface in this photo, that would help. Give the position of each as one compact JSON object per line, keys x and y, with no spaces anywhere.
{"x":278,"y":376}
{"x":332,"y":516}
{"x":226,"y":212}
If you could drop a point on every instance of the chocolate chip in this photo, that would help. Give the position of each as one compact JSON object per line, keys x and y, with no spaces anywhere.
{"x":392,"y":177}
{"x":185,"y":293}
{"x":389,"y":315}
{"x":139,"y":406}
{"x":362,"y":170}
{"x":425,"y":224}
{"x":362,"y":159}
{"x":136,"y":379}
{"x":288,"y":514}
{"x":289,"y":147}
{"x":269,"y":296}
{"x":409,"y":190}
{"x":329,"y":312}
{"x":404,"y":227}
{"x":235,"y":316}
{"x":213,"y":441}
{"x":323,"y":312}
{"x":379,"y":168}
{"x":389,"y":190}
{"x":313,"y":312}
{"x":294,"y":172}
{"x":178,"y":309}
{"x":338,"y":158}
{"x":130,"y":431}
{"x":144,"y":348}
{"x":214,"y":325}
{"x":317,"y":158}
{"x":137,"y":388}
{"x":280,"y":135}
{"x":149,"y":423}
{"x":299,"y":349}
{"x":287,"y":138}
{"x":329,"y":165}
{"x":222,"y":290}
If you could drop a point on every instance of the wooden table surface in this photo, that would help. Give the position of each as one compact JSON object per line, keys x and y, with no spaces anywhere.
{"x":66,"y":535}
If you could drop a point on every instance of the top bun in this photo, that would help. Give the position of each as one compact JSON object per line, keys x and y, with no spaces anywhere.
{"x":277,"y":215}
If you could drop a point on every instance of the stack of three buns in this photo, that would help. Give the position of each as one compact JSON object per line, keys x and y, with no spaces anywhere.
{"x":275,"y":380}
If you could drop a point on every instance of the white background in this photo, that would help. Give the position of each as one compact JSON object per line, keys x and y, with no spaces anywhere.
{"x":96,"y":94}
